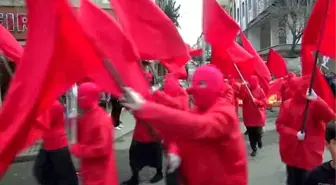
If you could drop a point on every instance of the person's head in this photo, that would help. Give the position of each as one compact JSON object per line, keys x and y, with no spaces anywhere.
{"x":88,"y":96}
{"x":207,"y":86}
{"x":299,"y":86}
{"x":330,"y":137}
{"x":171,"y":85}
{"x":254,"y":82}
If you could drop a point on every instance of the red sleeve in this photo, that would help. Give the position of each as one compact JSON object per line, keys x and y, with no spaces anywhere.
{"x":282,"y":121}
{"x":101,"y":136}
{"x":241,"y":92}
{"x":215,"y":123}
{"x":172,"y":148}
{"x":163,"y":98}
{"x":323,"y":111}
{"x":261,"y":101}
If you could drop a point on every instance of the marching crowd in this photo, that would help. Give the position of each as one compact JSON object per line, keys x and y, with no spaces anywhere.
{"x":202,"y":144}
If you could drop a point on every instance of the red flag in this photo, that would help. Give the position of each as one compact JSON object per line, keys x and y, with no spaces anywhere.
{"x":178,"y":72}
{"x":153,"y":33}
{"x":114,"y":46}
{"x":225,"y":59}
{"x":55,"y":57}
{"x":218,"y":27}
{"x":319,"y":33}
{"x":274,"y":93}
{"x":9,"y":46}
{"x":320,"y":85}
{"x":260,"y":68}
{"x":276,"y":64}
{"x":195,"y":52}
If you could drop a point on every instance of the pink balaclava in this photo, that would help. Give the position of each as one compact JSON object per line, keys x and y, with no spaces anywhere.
{"x":171,"y":85}
{"x":88,"y":96}
{"x":207,"y":86}
{"x":254,"y":82}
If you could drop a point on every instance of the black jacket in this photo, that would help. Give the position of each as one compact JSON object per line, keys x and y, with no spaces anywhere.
{"x":322,"y":175}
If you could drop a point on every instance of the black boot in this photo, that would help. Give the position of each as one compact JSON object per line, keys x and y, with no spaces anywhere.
{"x":157,"y":177}
{"x":254,"y":153}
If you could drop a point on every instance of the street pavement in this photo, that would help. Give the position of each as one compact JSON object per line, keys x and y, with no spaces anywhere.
{"x":265,"y":169}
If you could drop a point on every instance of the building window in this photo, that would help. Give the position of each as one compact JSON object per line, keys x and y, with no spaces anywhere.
{"x":243,"y":9}
{"x":249,"y":5}
{"x":238,"y":15}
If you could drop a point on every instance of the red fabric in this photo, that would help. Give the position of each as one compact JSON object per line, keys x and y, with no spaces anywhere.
{"x":286,"y":91}
{"x":178,"y":72}
{"x":274,"y":93}
{"x":260,"y":68}
{"x":95,"y":137}
{"x":323,"y":18}
{"x":254,"y":111}
{"x":115,"y":46}
{"x":149,"y":77}
{"x":153,"y":33}
{"x":51,"y":54}
{"x":276,"y":64}
{"x":195,"y":52}
{"x":55,"y":137}
{"x":224,"y":60}
{"x":9,"y":46}
{"x":308,"y":153}
{"x":320,"y":85}
{"x":214,"y":136}
{"x":219,"y":28}
{"x":95,"y":148}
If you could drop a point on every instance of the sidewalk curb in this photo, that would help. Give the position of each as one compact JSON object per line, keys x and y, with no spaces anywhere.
{"x":32,"y":157}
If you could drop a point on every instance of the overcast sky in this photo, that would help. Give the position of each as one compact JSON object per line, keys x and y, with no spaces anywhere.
{"x":191,"y":20}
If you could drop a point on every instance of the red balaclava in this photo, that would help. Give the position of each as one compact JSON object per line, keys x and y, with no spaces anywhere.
{"x":207,"y":86}
{"x":171,"y":85}
{"x":299,"y":86}
{"x":88,"y":96}
{"x":254,"y":82}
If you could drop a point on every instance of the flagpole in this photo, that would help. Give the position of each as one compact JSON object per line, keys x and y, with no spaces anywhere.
{"x":242,"y":78}
{"x":312,"y":79}
{"x":71,"y":113}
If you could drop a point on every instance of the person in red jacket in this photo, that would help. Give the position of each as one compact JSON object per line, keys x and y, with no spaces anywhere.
{"x":209,"y":141}
{"x":302,"y":151}
{"x":254,"y":112}
{"x":94,"y":147}
{"x":53,"y":165}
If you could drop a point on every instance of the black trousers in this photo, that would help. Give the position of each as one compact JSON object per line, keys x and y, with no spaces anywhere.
{"x":296,"y":176}
{"x":55,"y":167}
{"x":145,"y":154}
{"x":116,"y":111}
{"x":255,"y":136}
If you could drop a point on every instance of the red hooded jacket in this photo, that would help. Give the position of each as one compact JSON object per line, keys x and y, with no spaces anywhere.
{"x":95,"y":140}
{"x":286,"y":91}
{"x":55,"y":137}
{"x":308,"y":153}
{"x":210,"y":144}
{"x":254,"y":113}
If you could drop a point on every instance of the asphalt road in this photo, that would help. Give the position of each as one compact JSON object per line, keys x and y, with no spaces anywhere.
{"x":265,"y":169}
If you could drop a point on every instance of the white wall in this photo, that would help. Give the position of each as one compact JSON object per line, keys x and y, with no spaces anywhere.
{"x":253,"y":34}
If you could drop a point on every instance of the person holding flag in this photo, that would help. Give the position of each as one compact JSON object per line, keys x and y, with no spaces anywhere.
{"x":95,"y":139}
{"x":302,"y":149}
{"x":254,"y":112}
{"x":211,"y":146}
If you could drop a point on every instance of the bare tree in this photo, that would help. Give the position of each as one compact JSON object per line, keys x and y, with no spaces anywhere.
{"x":293,"y":14}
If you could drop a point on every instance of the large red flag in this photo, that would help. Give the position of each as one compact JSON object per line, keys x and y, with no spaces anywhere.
{"x":178,"y":72}
{"x":320,"y":84}
{"x":276,"y":64}
{"x":260,"y":68}
{"x":114,"y":45}
{"x":219,"y":28}
{"x":319,"y":33}
{"x":9,"y":46}
{"x":224,"y":60}
{"x":55,"y":57}
{"x":154,"y":34}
